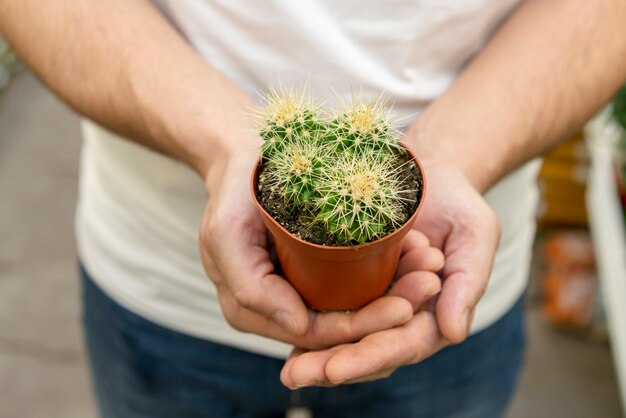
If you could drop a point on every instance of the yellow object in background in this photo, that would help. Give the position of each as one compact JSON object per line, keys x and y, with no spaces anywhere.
{"x":562,"y":182}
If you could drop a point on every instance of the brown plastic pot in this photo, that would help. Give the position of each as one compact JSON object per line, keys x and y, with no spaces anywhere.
{"x":338,"y":278}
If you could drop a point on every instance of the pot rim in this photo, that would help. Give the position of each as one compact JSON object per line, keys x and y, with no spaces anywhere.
{"x":343,"y":248}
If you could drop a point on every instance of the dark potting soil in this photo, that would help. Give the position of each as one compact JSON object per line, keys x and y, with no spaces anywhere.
{"x":300,"y":222}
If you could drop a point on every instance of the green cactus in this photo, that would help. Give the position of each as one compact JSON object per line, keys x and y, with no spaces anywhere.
{"x":363,"y":127}
{"x":343,"y":170}
{"x":295,"y":168}
{"x":287,"y":115}
{"x":358,"y":197}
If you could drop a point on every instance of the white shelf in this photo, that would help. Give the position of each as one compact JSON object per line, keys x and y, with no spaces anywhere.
{"x":609,"y":240}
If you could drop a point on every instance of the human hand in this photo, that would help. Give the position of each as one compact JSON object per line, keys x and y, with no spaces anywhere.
{"x":456,"y":219}
{"x":234,"y":248}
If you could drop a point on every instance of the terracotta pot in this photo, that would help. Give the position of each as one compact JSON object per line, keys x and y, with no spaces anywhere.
{"x":337,"y":278}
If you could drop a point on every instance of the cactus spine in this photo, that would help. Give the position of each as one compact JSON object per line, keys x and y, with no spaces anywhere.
{"x":343,"y":169}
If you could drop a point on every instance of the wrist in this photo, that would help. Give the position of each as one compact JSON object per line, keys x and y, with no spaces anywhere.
{"x":208,"y":138}
{"x":221,"y":147}
{"x":236,"y":158}
{"x":454,"y":152}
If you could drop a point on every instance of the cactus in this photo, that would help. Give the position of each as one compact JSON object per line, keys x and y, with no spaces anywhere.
{"x":363,"y":127}
{"x":359,"y":196}
{"x":287,"y":115}
{"x":341,"y":170}
{"x":295,"y":168}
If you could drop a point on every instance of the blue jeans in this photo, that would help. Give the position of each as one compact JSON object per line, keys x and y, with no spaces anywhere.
{"x":141,"y":369}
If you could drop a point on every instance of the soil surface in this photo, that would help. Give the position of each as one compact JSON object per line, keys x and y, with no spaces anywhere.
{"x":300,"y":223}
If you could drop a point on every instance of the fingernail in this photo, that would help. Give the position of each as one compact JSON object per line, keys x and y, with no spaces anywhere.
{"x":433,"y":291}
{"x":306,"y":384}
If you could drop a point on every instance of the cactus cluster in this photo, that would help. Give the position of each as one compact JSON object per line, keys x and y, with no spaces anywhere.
{"x":342,"y":170}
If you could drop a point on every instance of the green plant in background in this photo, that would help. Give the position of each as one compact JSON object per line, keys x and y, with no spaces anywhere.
{"x":8,"y":59}
{"x":342,"y":169}
{"x":618,"y":111}
{"x":619,"y":107}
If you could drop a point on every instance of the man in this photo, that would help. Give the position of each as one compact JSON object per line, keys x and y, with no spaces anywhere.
{"x":495,"y":84}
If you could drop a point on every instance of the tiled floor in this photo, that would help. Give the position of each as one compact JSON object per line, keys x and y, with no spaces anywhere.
{"x":42,"y":366}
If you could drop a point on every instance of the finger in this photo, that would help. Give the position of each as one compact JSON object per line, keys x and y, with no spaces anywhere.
{"x":417,"y":287}
{"x":309,"y":371}
{"x":386,"y":350}
{"x":326,"y":329}
{"x":414,"y":239}
{"x":305,"y":368}
{"x":273,"y":297}
{"x":373,"y":357}
{"x":285,"y":377}
{"x":383,"y":374}
{"x":469,"y":258}
{"x":332,"y":328}
{"x":245,"y":320}
{"x":455,"y":307}
{"x":428,"y":259}
{"x":248,"y":272}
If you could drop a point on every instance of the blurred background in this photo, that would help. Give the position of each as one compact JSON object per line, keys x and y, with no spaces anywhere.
{"x":576,"y":344}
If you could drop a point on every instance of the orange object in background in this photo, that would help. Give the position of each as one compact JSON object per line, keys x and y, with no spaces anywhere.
{"x":565,"y":261}
{"x":568,"y":282}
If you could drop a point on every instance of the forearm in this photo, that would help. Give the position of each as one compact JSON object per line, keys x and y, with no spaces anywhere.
{"x":121,"y":64}
{"x":550,"y":66}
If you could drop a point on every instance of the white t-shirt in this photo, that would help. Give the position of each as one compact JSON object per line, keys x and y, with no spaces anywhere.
{"x":139,"y":212}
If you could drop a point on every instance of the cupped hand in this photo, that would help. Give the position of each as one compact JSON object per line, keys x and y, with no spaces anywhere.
{"x":456,"y":219}
{"x":234,"y":249}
